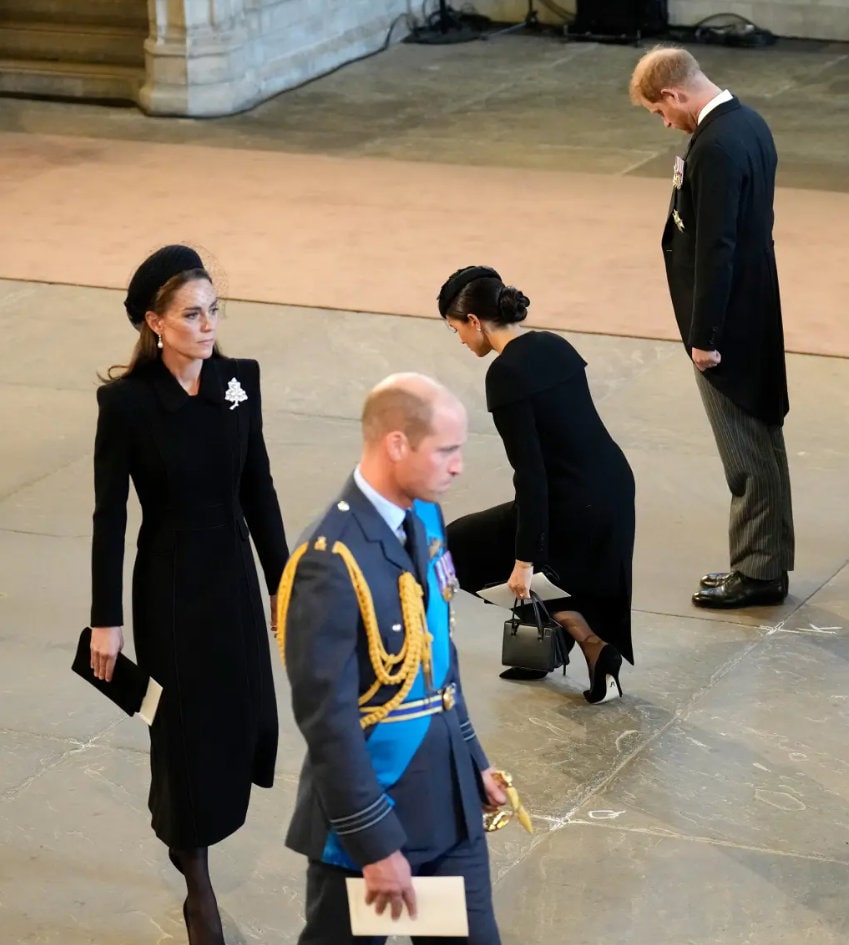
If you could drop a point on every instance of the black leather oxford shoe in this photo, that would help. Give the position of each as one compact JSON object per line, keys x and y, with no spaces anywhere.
{"x":737,"y":590}
{"x":713,"y":578}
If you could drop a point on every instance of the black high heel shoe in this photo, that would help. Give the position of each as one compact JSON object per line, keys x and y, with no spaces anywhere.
{"x":604,"y":679}
{"x":218,"y":936}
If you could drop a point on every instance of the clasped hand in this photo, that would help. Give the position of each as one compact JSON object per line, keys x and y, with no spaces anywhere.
{"x":705,"y":360}
{"x":520,"y":579}
{"x":106,"y":644}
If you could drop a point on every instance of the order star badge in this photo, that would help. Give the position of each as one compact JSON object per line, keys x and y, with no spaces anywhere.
{"x":235,"y":393}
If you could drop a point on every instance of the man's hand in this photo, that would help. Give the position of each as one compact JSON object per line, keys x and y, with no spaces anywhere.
{"x":705,"y":360}
{"x":389,"y":882}
{"x":520,"y":579}
{"x":495,"y":793}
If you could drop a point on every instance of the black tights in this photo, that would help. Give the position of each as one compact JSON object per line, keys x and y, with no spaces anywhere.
{"x":200,"y":908}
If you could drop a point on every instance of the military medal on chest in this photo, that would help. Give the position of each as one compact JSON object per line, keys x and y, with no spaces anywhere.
{"x":446,"y":576}
{"x":677,"y":183}
{"x":678,"y":173}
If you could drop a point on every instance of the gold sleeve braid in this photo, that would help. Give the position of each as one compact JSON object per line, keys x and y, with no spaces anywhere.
{"x":415,"y":650}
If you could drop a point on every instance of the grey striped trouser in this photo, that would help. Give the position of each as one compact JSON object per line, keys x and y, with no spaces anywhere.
{"x":760,"y":533}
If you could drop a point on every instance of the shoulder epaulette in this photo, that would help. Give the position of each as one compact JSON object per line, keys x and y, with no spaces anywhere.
{"x":331,"y":527}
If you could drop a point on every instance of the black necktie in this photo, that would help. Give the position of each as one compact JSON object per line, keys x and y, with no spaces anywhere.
{"x":412,"y":547}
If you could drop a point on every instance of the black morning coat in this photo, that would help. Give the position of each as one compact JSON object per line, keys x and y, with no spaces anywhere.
{"x":721,"y":266}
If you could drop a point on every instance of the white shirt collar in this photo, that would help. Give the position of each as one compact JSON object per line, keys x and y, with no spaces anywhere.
{"x":720,"y":99}
{"x":391,"y":513}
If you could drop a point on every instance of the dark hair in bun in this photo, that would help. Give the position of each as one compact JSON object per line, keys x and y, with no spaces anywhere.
{"x":512,"y":305}
{"x":484,"y":295}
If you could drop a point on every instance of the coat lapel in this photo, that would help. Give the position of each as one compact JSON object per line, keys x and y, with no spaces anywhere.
{"x":213,"y":382}
{"x":169,"y":393}
{"x":375,"y":529}
{"x":172,"y":396}
{"x":422,"y":554}
{"x":373,"y":525}
{"x":717,"y":112}
{"x":711,"y":117}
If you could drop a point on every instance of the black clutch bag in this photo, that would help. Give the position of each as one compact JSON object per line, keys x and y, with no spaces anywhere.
{"x":129,"y":686}
{"x":533,"y":639}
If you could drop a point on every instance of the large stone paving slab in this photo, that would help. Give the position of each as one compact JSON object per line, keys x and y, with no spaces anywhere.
{"x":591,"y":884}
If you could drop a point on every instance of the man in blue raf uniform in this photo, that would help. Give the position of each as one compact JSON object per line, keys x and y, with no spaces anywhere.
{"x":395,"y":780}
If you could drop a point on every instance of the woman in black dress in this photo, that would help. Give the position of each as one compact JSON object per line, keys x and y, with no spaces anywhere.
{"x":184,"y":423}
{"x":574,"y":508}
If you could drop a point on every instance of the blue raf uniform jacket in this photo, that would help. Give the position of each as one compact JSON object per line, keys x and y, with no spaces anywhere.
{"x":411,"y":785}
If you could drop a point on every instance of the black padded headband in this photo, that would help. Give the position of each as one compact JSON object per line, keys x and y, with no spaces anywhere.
{"x":153,"y":273}
{"x":455,"y":284}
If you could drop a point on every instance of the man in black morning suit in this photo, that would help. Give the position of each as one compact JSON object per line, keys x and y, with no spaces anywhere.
{"x":395,"y":779}
{"x":720,"y":266}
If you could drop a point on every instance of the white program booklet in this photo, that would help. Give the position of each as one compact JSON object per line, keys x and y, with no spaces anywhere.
{"x":440,"y":909}
{"x":150,"y":703}
{"x":501,"y":594}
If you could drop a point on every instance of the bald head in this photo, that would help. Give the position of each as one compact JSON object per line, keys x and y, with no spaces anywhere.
{"x":664,"y":67}
{"x":413,"y":435}
{"x":404,"y":403}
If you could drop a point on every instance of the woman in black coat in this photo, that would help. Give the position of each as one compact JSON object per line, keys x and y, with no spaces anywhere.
{"x":185,"y":424}
{"x":573,"y":513}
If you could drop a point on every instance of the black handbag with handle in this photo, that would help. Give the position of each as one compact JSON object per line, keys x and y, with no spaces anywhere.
{"x":534,"y":642}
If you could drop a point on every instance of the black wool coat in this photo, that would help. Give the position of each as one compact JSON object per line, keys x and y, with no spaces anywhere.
{"x":200,"y":469}
{"x":720,"y":259}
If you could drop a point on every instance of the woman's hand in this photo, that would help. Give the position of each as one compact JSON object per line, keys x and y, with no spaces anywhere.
{"x":106,"y":644}
{"x":274,"y":614}
{"x":520,"y":579}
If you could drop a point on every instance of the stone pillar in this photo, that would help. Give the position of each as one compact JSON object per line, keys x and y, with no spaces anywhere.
{"x":198,"y":59}
{"x":216,"y":57}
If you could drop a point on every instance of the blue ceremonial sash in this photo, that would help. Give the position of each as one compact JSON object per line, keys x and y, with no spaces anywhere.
{"x":392,"y":746}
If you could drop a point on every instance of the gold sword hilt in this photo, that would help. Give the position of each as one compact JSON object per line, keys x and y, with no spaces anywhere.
{"x":495,"y":820}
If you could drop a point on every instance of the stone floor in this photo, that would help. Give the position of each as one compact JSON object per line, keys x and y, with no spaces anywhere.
{"x":515,"y":101}
{"x":708,"y":806}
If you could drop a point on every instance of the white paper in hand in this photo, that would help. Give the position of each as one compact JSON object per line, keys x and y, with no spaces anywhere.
{"x":502,"y":596}
{"x":150,"y":703}
{"x":440,"y":909}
